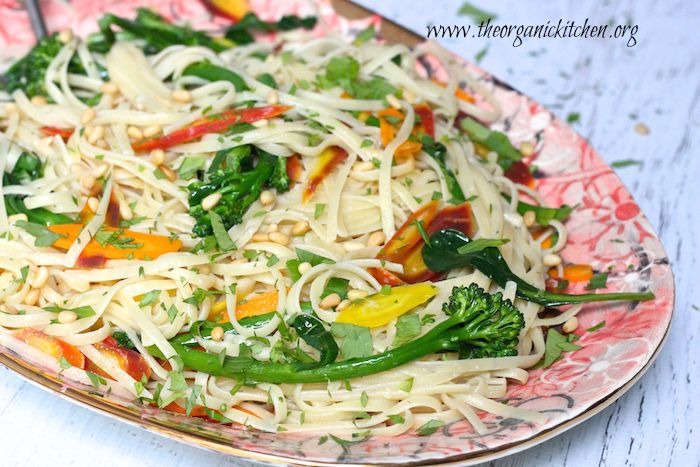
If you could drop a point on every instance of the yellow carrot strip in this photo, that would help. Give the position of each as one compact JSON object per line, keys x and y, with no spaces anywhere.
{"x":379,"y":309}
{"x":142,"y":245}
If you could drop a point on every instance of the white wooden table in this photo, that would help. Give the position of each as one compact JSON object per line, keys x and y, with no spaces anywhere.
{"x":613,"y":88}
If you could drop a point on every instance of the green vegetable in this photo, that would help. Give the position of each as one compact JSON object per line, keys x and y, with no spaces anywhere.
{"x":543,"y":214}
{"x":344,"y":72}
{"x":493,"y":140}
{"x":153,"y":31}
{"x":240,"y":184}
{"x":210,"y":72}
{"x":336,"y":285}
{"x":189,"y":167}
{"x":557,"y":344}
{"x":596,"y":327}
{"x":444,"y":254}
{"x":407,"y":328}
{"x":365,"y":35}
{"x":27,"y":74}
{"x":268,"y":80}
{"x":241,"y":32}
{"x":356,"y":340}
{"x":123,"y":340}
{"x":598,"y":281}
{"x":477,"y":14}
{"x":81,"y":311}
{"x":149,"y":298}
{"x":44,"y":237}
{"x":223,"y":239}
{"x":438,"y":151}
{"x":478,"y":324}
{"x":27,"y":168}
{"x":429,"y":427}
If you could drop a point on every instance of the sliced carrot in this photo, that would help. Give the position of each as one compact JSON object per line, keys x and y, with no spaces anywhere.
{"x":386,"y":131}
{"x":197,"y":410}
{"x":574,"y":273}
{"x":256,"y":304}
{"x":51,"y":346}
{"x":460,"y":93}
{"x":406,"y":150}
{"x":150,"y":246}
{"x":330,"y":158}
{"x":64,"y":133}
{"x":519,"y":172}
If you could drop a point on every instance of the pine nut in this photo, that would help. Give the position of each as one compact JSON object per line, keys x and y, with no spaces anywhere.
{"x":67,"y":316}
{"x":529,"y":218}
{"x":39,"y":100}
{"x":204,"y":269}
{"x":570,"y":325}
{"x":331,"y":301}
{"x":97,"y":133}
{"x":93,"y":203}
{"x":279,"y":238}
{"x":151,"y":131}
{"x":65,"y":36}
{"x":157,"y":156}
{"x":102,"y":144}
{"x":260,"y":237}
{"x":353,"y":246}
{"x":181,"y":95}
{"x":11,"y":108}
{"x":526,"y":148}
{"x":32,"y":297}
{"x":109,"y":88}
{"x":344,"y":304}
{"x":134,"y":133}
{"x":260,"y":123}
{"x":88,"y":115}
{"x":393,"y":101}
{"x":409,"y":96}
{"x":273,"y":97}
{"x":169,"y":173}
{"x":357,"y":294}
{"x":376,"y":238}
{"x":88,"y":181}
{"x":217,"y":334}
{"x":300,"y":228}
{"x":267,"y":198}
{"x":272,"y":228}
{"x":211,"y":201}
{"x":304,"y":267}
{"x":40,"y":278}
{"x":551,"y":260}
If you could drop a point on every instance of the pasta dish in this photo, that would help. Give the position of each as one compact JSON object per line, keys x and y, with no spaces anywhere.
{"x":274,"y":229}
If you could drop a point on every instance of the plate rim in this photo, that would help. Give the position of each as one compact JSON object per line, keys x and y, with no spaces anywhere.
{"x":52,"y":384}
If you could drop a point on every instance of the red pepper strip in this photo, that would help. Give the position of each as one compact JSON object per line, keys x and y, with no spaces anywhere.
{"x":385,"y":277}
{"x":408,"y":251}
{"x":427,"y":120}
{"x":128,"y":360}
{"x":64,"y":133}
{"x":294,"y":168}
{"x":211,"y":124}
{"x":457,"y":217}
{"x":519,"y":172}
{"x":330,"y":158}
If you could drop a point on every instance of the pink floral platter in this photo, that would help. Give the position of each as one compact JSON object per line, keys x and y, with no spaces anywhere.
{"x":607,"y":230}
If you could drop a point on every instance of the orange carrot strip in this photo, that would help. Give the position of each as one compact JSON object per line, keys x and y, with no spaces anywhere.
{"x":574,"y":273}
{"x":151,"y":245}
{"x":51,"y":346}
{"x":256,"y":304}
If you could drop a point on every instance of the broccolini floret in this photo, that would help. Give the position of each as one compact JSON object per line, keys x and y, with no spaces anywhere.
{"x":241,"y":175}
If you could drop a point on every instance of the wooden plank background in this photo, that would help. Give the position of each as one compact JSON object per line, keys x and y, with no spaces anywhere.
{"x":613,"y":88}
